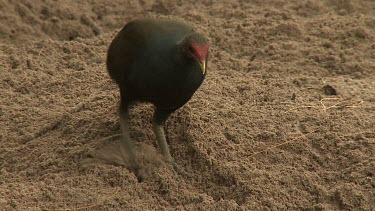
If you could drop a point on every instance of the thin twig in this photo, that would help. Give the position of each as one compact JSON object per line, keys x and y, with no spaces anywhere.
{"x":325,"y":107}
{"x":40,"y":51}
{"x":304,"y":136}
{"x":54,"y":124}
{"x":281,"y":144}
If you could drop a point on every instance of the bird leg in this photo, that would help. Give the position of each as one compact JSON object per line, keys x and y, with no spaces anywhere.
{"x":126,"y":140}
{"x":160,"y":117}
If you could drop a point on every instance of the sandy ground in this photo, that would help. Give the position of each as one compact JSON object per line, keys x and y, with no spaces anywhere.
{"x":285,"y":119}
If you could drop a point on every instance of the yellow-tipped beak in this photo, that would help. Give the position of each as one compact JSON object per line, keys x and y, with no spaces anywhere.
{"x":203,"y":66}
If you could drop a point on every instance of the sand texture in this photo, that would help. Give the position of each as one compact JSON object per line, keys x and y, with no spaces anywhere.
{"x":284,"y":120}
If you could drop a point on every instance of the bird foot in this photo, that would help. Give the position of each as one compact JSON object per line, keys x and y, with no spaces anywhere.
{"x":137,"y":171}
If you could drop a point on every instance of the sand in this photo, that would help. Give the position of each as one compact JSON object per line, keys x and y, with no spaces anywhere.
{"x":284,"y":120}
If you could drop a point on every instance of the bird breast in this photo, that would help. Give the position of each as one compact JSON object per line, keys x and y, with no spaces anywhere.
{"x":165,"y":80}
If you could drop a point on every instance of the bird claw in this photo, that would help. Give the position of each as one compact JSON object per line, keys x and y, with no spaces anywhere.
{"x":137,"y":171}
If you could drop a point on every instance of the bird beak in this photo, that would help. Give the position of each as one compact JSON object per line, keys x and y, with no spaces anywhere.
{"x":203,"y":66}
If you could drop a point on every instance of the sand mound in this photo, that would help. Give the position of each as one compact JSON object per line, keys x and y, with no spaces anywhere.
{"x":284,"y":120}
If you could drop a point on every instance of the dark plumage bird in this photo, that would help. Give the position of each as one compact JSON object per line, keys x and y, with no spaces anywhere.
{"x":159,"y":61}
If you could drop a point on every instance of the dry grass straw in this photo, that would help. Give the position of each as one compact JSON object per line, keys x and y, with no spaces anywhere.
{"x":323,"y":105}
{"x":303,"y":136}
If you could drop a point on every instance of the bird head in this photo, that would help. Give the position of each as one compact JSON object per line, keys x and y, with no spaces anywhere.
{"x":196,"y":46}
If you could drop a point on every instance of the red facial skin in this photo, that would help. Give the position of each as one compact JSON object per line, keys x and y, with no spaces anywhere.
{"x":200,"y":51}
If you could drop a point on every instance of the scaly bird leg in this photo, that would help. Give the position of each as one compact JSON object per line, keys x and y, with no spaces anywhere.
{"x":160,"y":117}
{"x":126,"y":140}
